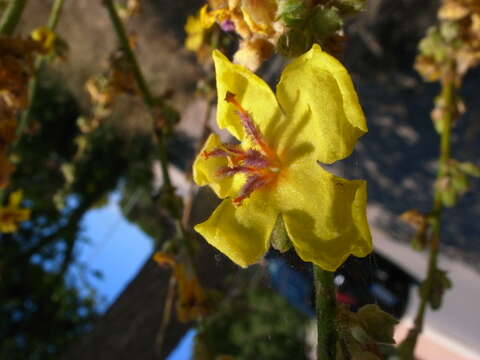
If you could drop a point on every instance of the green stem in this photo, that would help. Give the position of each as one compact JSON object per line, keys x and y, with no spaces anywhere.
{"x":148,"y":98}
{"x":407,"y":347}
{"x":55,"y":13}
{"x":326,"y":309}
{"x":151,"y":103}
{"x":125,"y":44}
{"x":11,"y":16}
{"x":40,"y":61}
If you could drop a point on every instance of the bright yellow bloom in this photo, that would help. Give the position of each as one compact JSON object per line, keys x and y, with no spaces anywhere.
{"x":196,"y":28}
{"x":12,"y":214}
{"x":274,"y":171}
{"x":45,"y":37}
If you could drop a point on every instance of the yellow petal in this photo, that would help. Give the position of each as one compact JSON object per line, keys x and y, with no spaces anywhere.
{"x":242,"y":233}
{"x":324,"y":215}
{"x":8,"y":227}
{"x":15,"y":198}
{"x":321,"y":105}
{"x":206,"y":18}
{"x":194,"y":42}
{"x":251,"y":92}
{"x":22,"y":215}
{"x":204,"y":171}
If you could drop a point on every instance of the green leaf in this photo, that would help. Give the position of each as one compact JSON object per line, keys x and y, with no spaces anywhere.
{"x":469,"y":169}
{"x":460,"y":183}
{"x":419,"y":240}
{"x":449,"y":197}
{"x":377,"y":323}
{"x":439,"y":283}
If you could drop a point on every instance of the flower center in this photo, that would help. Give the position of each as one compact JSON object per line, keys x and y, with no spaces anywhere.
{"x":260,"y":164}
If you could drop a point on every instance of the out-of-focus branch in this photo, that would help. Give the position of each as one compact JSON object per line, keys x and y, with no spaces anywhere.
{"x":52,"y":23}
{"x":12,"y":16}
{"x":448,"y":96}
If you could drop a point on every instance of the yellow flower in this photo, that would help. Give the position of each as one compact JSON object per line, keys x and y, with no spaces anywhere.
{"x":196,"y":27}
{"x":274,"y":171}
{"x":12,"y":214}
{"x":45,"y":37}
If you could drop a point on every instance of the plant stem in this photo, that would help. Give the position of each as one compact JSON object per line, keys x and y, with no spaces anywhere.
{"x":326,"y":309}
{"x":55,"y":13}
{"x":40,"y":61}
{"x":11,"y":16}
{"x":125,"y":44}
{"x":407,"y":347}
{"x":148,"y":98}
{"x":151,"y":103}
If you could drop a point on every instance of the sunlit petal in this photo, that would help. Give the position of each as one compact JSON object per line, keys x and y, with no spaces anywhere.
{"x":321,"y":107}
{"x":242,"y":233}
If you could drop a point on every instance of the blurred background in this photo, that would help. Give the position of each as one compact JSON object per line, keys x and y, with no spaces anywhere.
{"x":78,"y":281}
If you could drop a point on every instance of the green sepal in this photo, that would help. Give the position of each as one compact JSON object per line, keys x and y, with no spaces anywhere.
{"x":279,"y":237}
{"x":294,"y":43}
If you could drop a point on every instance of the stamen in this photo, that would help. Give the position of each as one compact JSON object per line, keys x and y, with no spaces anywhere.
{"x":233,"y":148}
{"x":227,"y":171}
{"x":225,"y":150}
{"x":248,"y":124}
{"x":215,"y":153}
{"x":260,"y":164}
{"x":253,"y":182}
{"x":256,"y":159}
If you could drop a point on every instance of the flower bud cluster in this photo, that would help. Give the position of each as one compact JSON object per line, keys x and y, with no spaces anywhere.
{"x":455,"y":39}
{"x":289,"y":27}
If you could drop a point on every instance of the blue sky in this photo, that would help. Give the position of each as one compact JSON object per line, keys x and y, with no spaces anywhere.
{"x":118,"y":249}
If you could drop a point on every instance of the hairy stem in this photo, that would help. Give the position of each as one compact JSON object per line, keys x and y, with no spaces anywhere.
{"x":11,"y":16}
{"x":326,"y":309}
{"x":407,"y":347}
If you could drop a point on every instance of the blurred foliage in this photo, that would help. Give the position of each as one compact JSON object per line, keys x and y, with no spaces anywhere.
{"x":257,"y":324}
{"x":64,"y":171}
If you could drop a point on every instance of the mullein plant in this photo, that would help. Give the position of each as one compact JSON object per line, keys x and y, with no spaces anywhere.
{"x":448,"y":51}
{"x":275,"y":191}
